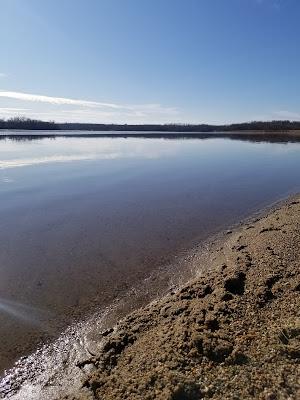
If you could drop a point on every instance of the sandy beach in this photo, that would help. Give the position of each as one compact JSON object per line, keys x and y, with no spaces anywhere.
{"x":231,"y":333}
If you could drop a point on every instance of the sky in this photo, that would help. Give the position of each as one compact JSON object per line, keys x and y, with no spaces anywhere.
{"x":150,"y":61}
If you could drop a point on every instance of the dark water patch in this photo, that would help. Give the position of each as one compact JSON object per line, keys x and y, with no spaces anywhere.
{"x":254,"y":137}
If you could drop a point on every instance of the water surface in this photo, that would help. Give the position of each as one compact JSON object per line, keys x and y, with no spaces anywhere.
{"x":85,"y":218}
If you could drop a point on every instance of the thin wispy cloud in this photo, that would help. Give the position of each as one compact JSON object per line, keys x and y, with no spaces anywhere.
{"x":285,"y":114}
{"x":3,"y":75}
{"x":82,"y":110}
{"x":83,"y":103}
{"x":277,"y":115}
{"x":55,"y":100}
{"x":276,"y":4}
{"x":12,"y":110}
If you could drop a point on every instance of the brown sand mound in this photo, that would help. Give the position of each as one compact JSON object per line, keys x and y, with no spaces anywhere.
{"x":233,"y":334}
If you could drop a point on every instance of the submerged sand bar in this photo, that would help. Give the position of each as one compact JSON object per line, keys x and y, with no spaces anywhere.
{"x":232,"y":333}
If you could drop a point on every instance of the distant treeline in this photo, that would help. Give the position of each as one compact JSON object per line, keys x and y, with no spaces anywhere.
{"x":26,"y":123}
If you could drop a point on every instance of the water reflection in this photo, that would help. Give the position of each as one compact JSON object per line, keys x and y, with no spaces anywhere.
{"x":269,"y":137}
{"x":23,"y":162}
{"x":84,"y":219}
{"x":24,"y":313}
{"x":32,"y":151}
{"x":81,"y":149}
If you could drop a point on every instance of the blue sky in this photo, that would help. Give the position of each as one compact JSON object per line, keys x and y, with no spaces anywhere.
{"x":141,"y":61}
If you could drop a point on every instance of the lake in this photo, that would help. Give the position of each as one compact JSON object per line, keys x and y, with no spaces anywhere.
{"x":83,"y":219}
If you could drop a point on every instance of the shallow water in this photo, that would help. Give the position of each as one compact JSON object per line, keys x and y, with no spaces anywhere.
{"x":84,"y":219}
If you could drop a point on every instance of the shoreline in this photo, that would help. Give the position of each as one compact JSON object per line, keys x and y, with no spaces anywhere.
{"x":80,"y":364}
{"x":13,"y":133}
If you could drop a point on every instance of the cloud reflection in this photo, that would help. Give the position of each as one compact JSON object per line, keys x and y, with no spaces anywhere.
{"x":25,"y":162}
{"x":77,"y":149}
{"x":22,"y":312}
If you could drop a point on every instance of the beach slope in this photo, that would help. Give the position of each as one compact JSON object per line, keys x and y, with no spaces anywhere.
{"x":234,"y":333}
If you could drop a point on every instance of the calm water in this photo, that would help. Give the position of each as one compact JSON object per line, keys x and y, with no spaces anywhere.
{"x":83,"y":219}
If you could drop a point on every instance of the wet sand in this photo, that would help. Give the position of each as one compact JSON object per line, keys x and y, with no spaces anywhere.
{"x":232,"y":332}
